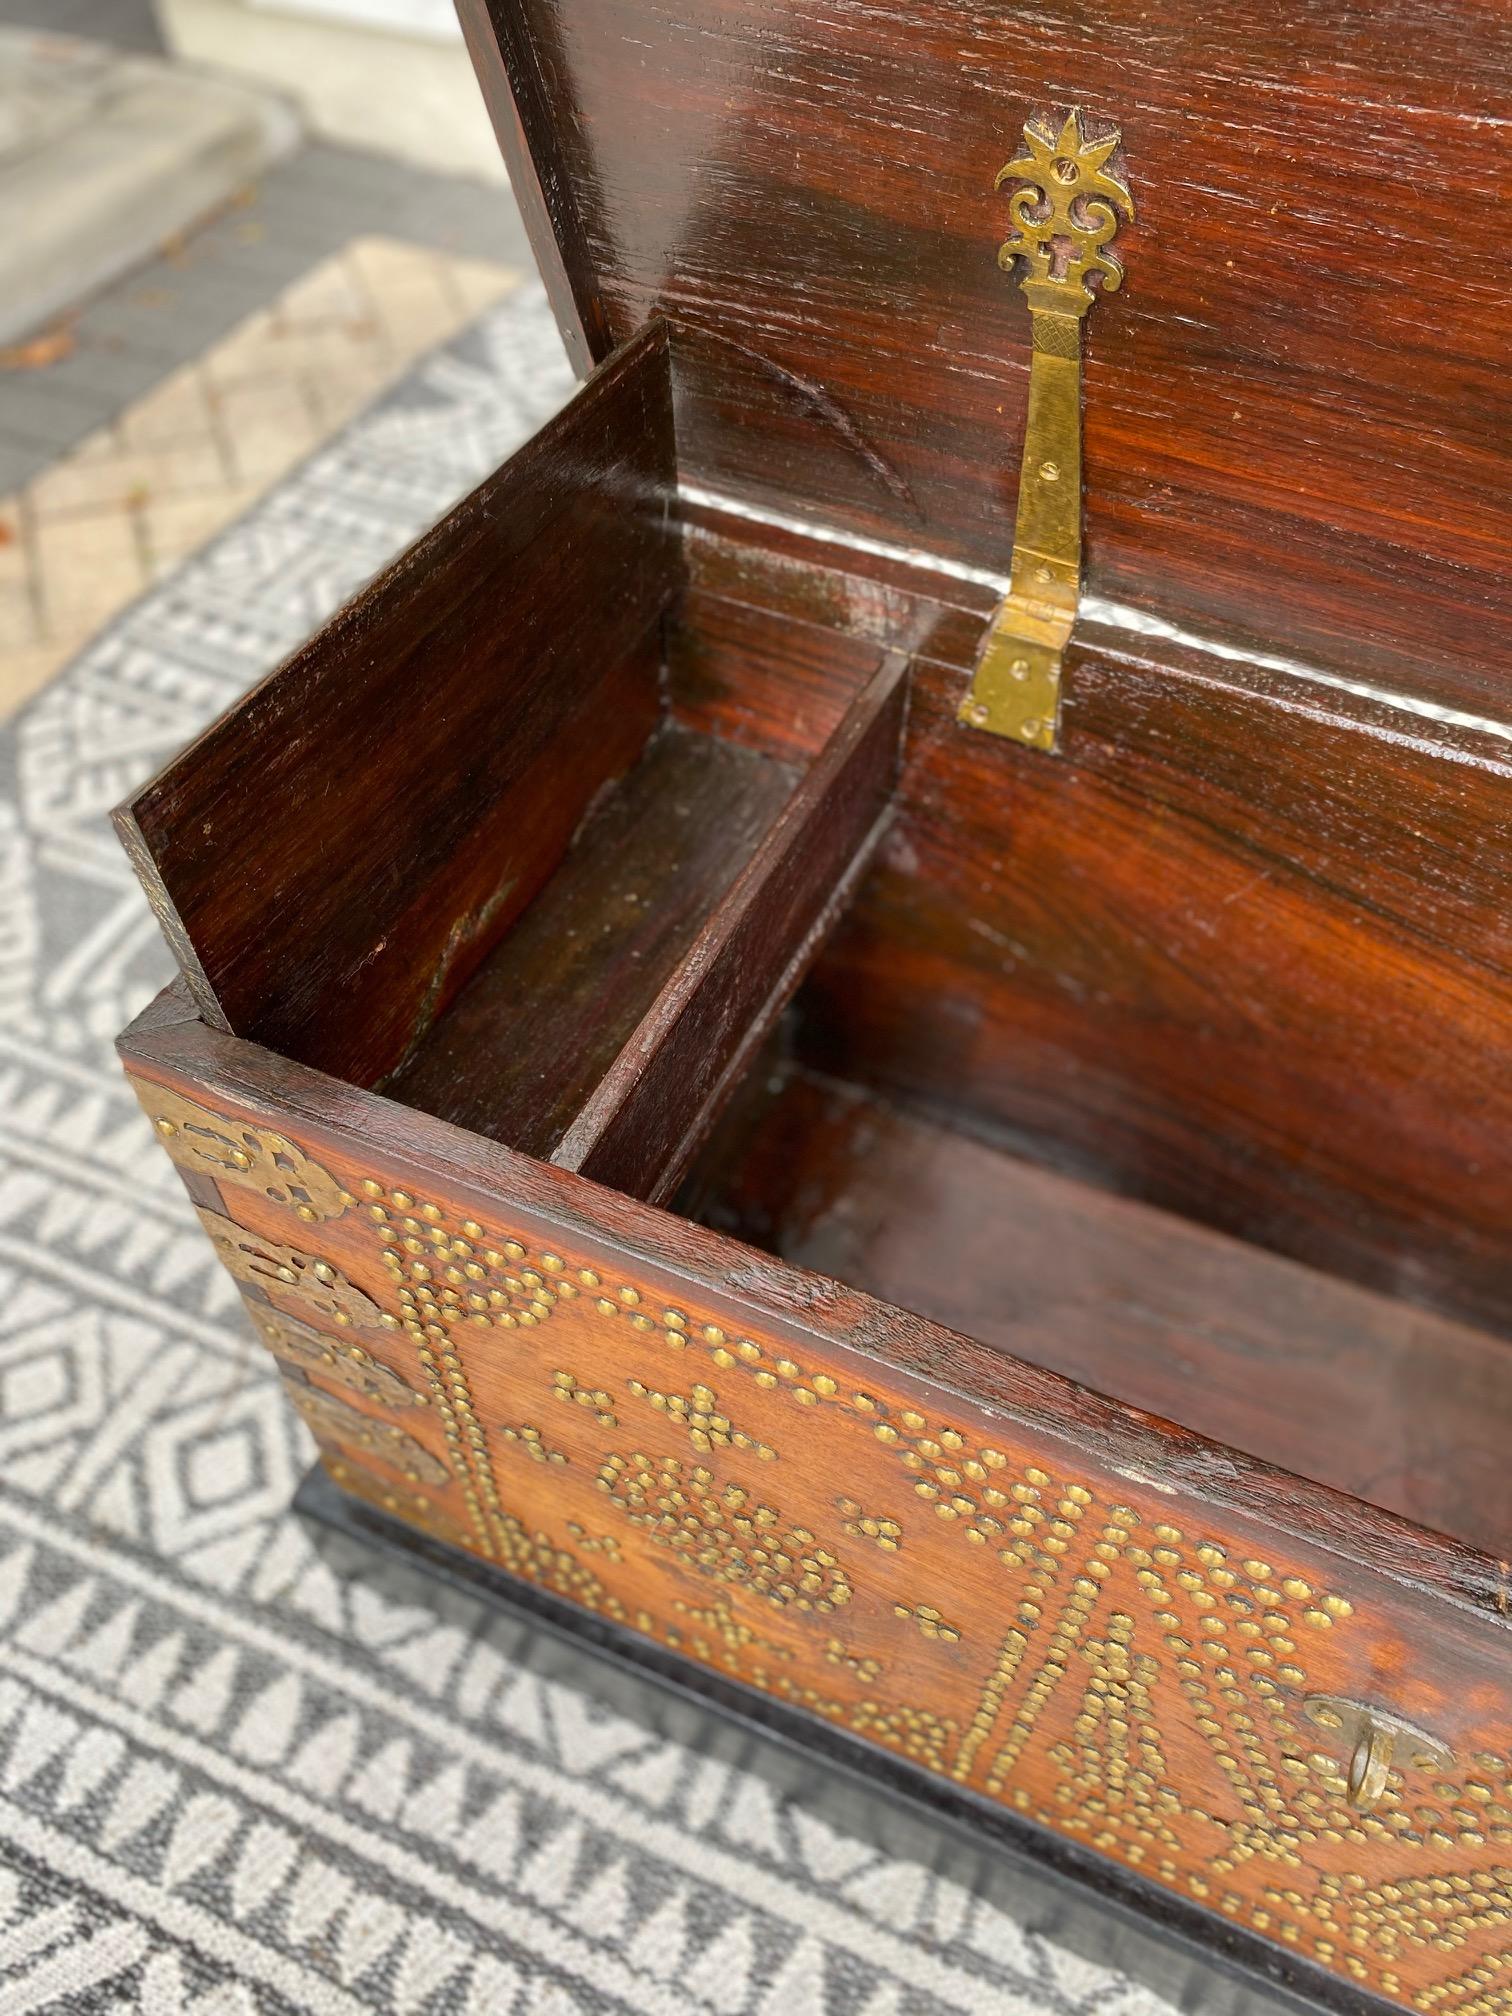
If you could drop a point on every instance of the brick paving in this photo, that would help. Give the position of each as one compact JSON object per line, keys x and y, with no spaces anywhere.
{"x":91,"y":530}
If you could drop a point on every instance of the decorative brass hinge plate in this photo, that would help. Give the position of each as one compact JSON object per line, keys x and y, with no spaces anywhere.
{"x":338,"y":1421}
{"x":236,"y":1152}
{"x":1065,"y":213}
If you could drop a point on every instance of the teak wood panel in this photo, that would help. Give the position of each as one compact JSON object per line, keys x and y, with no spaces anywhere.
{"x":1090,"y":1616}
{"x":1297,"y":405}
{"x":1243,"y":949}
{"x":334,"y":856}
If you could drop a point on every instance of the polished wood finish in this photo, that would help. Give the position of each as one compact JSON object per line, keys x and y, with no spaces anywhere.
{"x":666,"y":1087}
{"x":529,"y":1039}
{"x":781,"y":1479}
{"x":1244,"y":950}
{"x":1297,"y":406}
{"x":1400,"y":1409}
{"x":752,"y":675}
{"x":517,"y":81}
{"x":613,"y":747}
{"x":231,"y":1077}
{"x":334,"y":857}
{"x":606,"y":1029}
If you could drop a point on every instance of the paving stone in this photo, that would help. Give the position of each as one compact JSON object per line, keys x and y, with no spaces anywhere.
{"x":173,"y":309}
{"x":18,"y":460}
{"x":89,"y":533}
{"x":46,"y":407}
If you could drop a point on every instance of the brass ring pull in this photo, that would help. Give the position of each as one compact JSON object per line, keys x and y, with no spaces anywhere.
{"x":1370,"y":1765}
{"x":1379,"y":1743}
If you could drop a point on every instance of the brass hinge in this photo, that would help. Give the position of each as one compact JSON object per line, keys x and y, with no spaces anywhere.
{"x":1065,"y":213}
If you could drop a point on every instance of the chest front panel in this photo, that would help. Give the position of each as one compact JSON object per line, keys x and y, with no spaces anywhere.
{"x":1121,"y":1659}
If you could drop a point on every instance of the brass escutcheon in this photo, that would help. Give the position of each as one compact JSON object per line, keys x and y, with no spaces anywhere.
{"x":1378,"y":1742}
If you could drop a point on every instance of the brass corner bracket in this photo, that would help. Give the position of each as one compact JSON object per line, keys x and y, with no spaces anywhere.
{"x":1065,"y":213}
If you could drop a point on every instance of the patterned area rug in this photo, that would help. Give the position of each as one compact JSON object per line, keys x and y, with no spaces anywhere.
{"x":243,"y":1768}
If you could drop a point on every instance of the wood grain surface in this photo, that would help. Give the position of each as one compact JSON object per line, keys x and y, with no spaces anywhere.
{"x":1297,"y":407}
{"x":1244,"y":950}
{"x":1241,"y":952}
{"x":664,"y":1090}
{"x":1369,"y":1395}
{"x":527,"y":1042}
{"x":1038,"y":1594}
{"x":338,"y":852}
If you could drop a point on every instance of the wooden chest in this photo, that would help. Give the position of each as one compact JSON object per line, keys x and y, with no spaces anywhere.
{"x":856,"y":1028}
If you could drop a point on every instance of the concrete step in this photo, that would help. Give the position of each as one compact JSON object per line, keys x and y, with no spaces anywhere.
{"x":104,"y":157}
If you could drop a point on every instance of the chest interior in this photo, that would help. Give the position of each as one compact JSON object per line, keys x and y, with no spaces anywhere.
{"x":641,"y":836}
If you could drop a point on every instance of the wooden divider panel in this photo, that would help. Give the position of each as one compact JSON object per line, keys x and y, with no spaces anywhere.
{"x":1243,"y":950}
{"x":662,"y":1093}
{"x":335,"y":855}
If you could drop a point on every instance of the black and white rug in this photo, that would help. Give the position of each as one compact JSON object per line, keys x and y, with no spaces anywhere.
{"x":240,"y":1772}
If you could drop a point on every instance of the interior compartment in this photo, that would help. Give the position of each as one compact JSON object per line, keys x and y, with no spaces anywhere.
{"x":1380,"y":1400}
{"x":481,"y":846}
{"x":1147,"y":1062}
{"x":606,"y":1029}
{"x":519,"y":1051}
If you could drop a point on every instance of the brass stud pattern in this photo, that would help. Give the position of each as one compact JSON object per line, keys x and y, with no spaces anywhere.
{"x":725,"y":1532}
{"x":1142,"y":1693}
{"x":1114,"y":1787}
{"x":713,"y":1631}
{"x":865,"y":1669}
{"x":931,"y":1624}
{"x":533,"y":1444}
{"x":566,"y":1386}
{"x":885,"y":1533}
{"x":451,"y":1396}
{"x":917,"y":1733}
{"x":698,"y":1413}
{"x":470,"y":1279}
{"x":595,"y":1543}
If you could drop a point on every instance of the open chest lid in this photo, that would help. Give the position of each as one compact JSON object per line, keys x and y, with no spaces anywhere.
{"x":1296,"y":408}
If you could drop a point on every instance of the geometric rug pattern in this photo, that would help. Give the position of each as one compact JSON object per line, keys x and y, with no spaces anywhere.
{"x":239,"y":1771}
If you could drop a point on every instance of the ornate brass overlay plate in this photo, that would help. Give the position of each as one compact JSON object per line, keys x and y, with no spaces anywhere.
{"x":285,"y":1270}
{"x":338,"y":1359}
{"x":335,"y":1420}
{"x":247,"y":1157}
